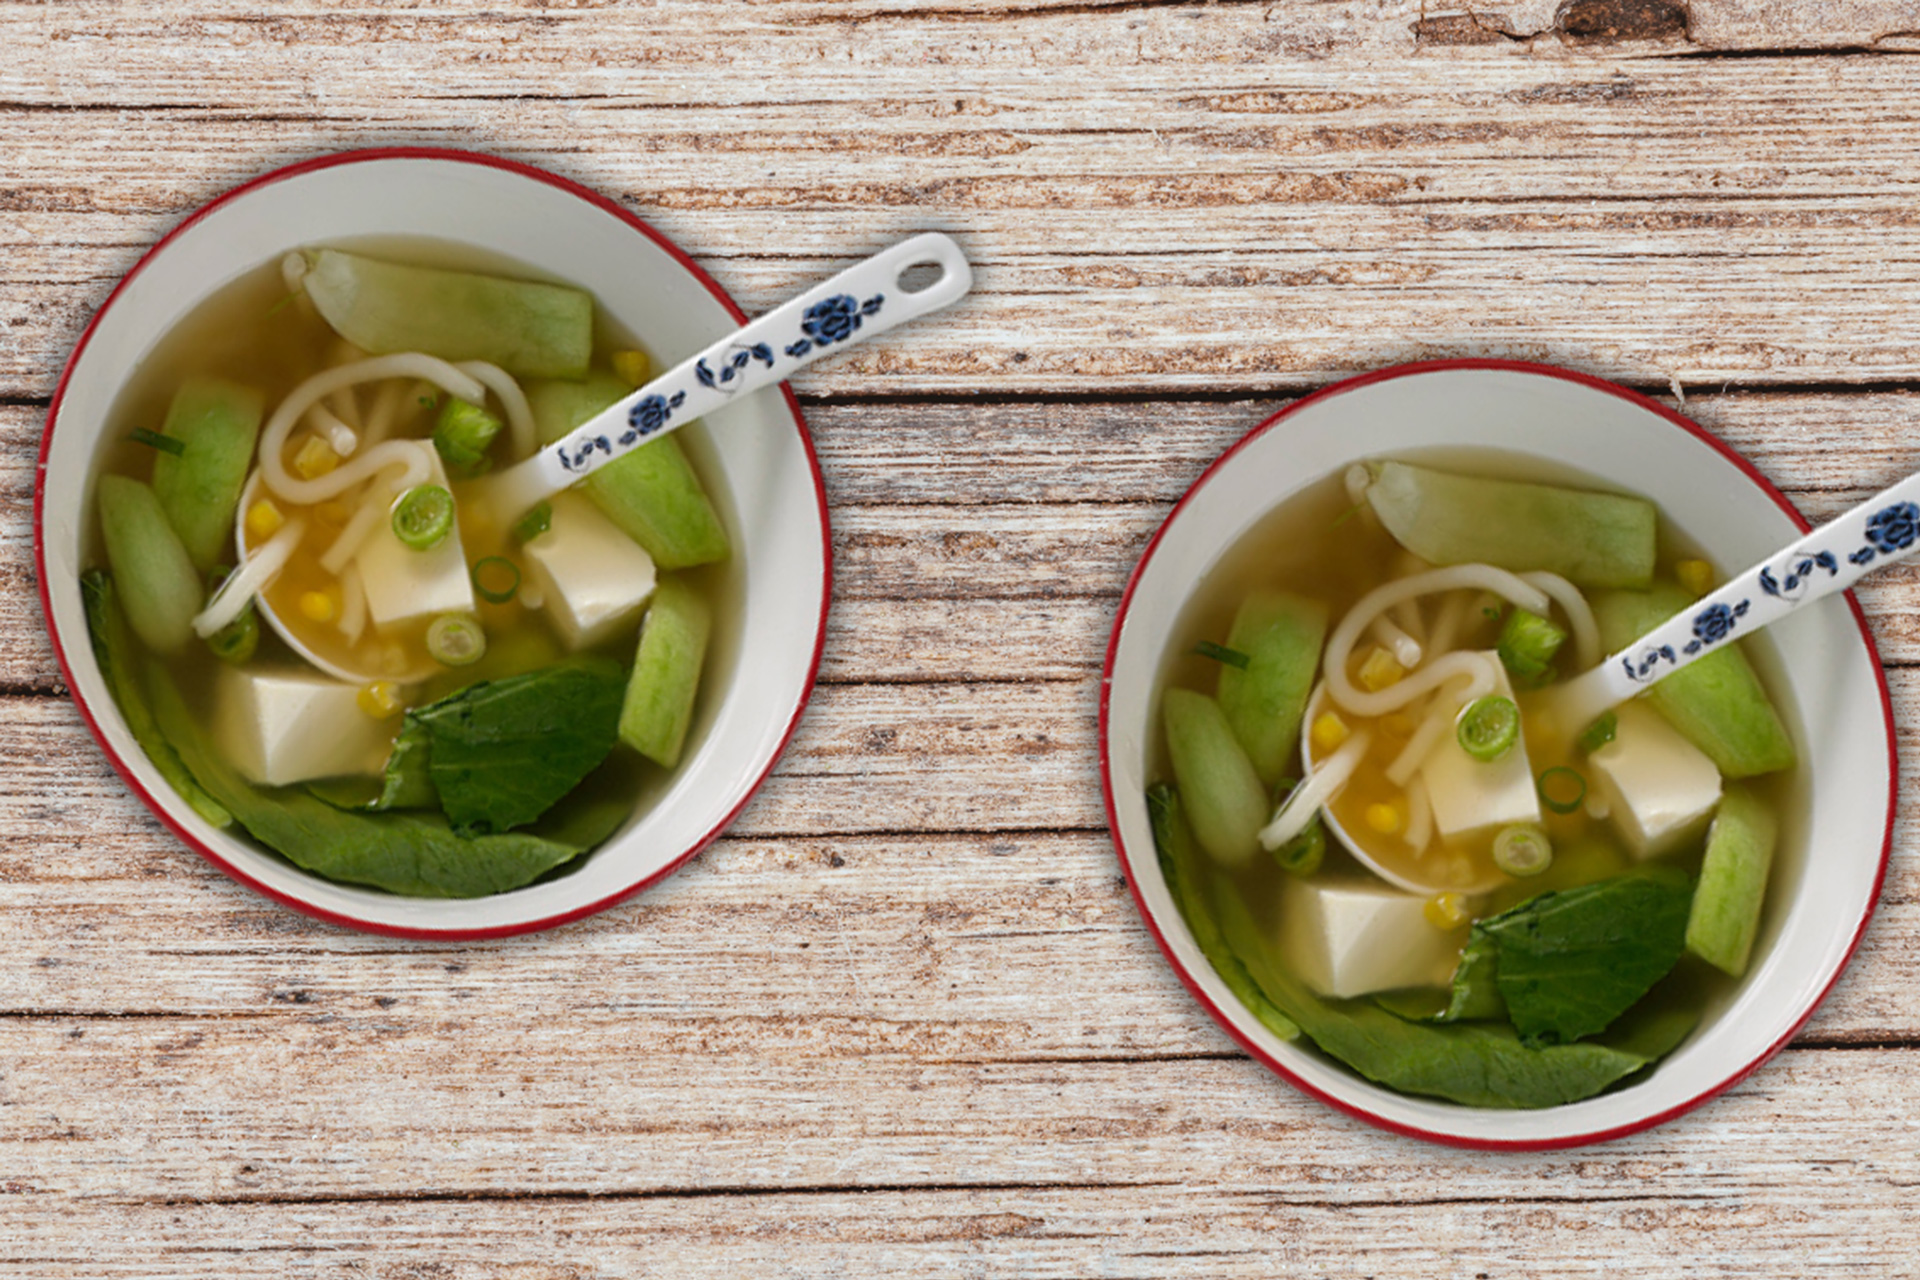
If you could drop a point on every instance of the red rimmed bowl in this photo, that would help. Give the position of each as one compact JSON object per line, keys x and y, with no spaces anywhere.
{"x":757,"y":449}
{"x":1824,"y":672}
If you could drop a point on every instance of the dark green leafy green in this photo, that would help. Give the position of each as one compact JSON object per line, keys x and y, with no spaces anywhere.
{"x":114,"y":651}
{"x":1474,"y":1063}
{"x":408,"y":853}
{"x":1179,"y":856}
{"x":500,"y":753}
{"x":1473,"y":995}
{"x":1569,"y":963}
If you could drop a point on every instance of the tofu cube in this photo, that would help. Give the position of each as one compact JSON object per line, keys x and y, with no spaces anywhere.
{"x":592,"y":577}
{"x":1350,"y":938}
{"x":1660,"y":789}
{"x":1474,"y":799}
{"x":281,"y":727}
{"x":404,"y":585}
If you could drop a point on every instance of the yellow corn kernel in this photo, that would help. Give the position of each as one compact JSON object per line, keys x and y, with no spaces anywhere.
{"x":380,"y":699}
{"x":315,"y":458}
{"x":334,"y":512}
{"x":1446,"y":910}
{"x":1381,"y":670}
{"x":1384,"y":818}
{"x":318,"y":606}
{"x":264,"y":519}
{"x":1399,"y":724}
{"x":632,"y":367}
{"x":1329,"y":731}
{"x":1695,"y":575}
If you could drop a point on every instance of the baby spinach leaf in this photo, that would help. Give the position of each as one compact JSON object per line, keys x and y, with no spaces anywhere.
{"x":501,"y":752}
{"x":113,"y":650}
{"x":407,"y":853}
{"x":1568,"y":963}
{"x":1174,"y":842}
{"x":1475,"y":1063}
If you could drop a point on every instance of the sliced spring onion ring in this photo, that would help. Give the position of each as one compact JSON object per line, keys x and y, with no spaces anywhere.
{"x":534,"y":523}
{"x":497,"y":579}
{"x":234,"y":643}
{"x":154,"y":440}
{"x":1489,"y":727}
{"x":456,"y":640}
{"x":1302,"y":855}
{"x":423,"y":516}
{"x":1599,"y":733}
{"x":1220,"y":653}
{"x":1562,"y":789}
{"x":1528,"y":643}
{"x":1522,"y":850}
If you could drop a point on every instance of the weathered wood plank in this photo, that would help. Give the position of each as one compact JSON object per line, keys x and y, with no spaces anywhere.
{"x":985,"y":931}
{"x":159,"y":1148}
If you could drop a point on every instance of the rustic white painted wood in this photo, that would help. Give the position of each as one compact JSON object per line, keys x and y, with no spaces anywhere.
{"x":903,"y":1020}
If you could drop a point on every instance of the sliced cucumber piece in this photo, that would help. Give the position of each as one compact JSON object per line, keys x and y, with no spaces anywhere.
{"x":666,"y":673}
{"x":1716,"y":702}
{"x":1733,"y":881}
{"x":1593,"y":539}
{"x":651,"y":493}
{"x":530,"y":330}
{"x":1226,"y":805}
{"x":158,"y":586}
{"x":217,"y":423}
{"x":1281,"y":635}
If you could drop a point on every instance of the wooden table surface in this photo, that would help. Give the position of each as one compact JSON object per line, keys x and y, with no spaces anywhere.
{"x":903,"y":1019}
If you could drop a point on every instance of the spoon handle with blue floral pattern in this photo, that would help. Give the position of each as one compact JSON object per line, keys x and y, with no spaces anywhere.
{"x":862,"y":302}
{"x":1881,"y":530}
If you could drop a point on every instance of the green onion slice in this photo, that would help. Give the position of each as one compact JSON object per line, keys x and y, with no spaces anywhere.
{"x":423,"y":516}
{"x":1562,"y":789}
{"x":497,"y":579}
{"x":234,"y":643}
{"x":154,"y":440}
{"x":1220,"y":653}
{"x":1522,"y":850}
{"x":1489,"y":727}
{"x":1527,"y":644}
{"x":1302,"y":855}
{"x":456,"y":640}
{"x":1599,"y":733}
{"x":534,"y":523}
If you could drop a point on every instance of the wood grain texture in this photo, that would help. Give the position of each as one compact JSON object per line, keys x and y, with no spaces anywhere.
{"x":903,"y":1019}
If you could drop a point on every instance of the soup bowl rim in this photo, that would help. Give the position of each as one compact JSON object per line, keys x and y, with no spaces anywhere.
{"x":1235,"y":1020}
{"x":185,"y":832}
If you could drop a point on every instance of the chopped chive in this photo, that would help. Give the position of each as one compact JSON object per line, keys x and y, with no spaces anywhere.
{"x":154,"y":440}
{"x":534,"y":523}
{"x":1489,"y":727}
{"x":1599,"y":733}
{"x":1220,"y":653}
{"x":1522,"y":850}
{"x":1348,"y":514}
{"x":423,"y":516}
{"x":496,"y":578}
{"x":1562,"y":789}
{"x":280,"y":306}
{"x":456,"y":640}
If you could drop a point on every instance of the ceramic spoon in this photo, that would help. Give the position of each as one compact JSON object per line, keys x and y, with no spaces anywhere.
{"x":1883,"y":529}
{"x":861,"y":303}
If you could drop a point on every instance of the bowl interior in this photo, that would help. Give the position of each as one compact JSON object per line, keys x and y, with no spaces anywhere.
{"x":756,"y":448}
{"x":1820,"y":663}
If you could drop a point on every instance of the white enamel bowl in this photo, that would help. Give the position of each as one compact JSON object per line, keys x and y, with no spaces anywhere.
{"x":1827,"y":676}
{"x":760,"y":455}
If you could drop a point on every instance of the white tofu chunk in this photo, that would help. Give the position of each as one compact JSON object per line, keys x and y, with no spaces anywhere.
{"x":592,"y":578}
{"x":281,"y":727}
{"x":1353,"y":937}
{"x":1473,"y":799}
{"x":1660,"y":790}
{"x":403,"y":585}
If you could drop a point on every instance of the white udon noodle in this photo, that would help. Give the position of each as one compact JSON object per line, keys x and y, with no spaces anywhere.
{"x":1473,"y":674}
{"x":410,"y":456}
{"x":247,"y":581}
